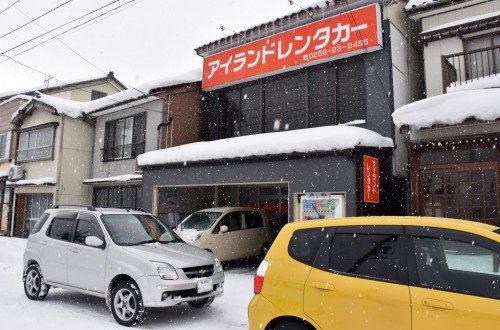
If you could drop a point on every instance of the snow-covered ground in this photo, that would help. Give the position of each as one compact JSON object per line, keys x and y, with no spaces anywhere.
{"x":63,"y":309}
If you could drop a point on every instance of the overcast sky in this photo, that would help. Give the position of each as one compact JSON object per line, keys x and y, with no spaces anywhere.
{"x":141,"y":41}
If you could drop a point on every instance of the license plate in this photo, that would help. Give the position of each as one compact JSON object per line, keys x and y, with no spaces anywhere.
{"x":204,"y":285}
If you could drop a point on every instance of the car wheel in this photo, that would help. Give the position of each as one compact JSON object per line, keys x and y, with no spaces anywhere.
{"x":201,"y":303}
{"x":290,"y":325}
{"x":34,"y":285}
{"x":126,"y":304}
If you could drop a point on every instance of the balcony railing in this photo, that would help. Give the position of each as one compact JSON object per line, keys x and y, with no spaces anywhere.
{"x":467,"y":67}
{"x":125,"y":151}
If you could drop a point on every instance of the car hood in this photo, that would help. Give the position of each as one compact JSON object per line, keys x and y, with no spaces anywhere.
{"x":179,"y":255}
{"x":188,"y":235}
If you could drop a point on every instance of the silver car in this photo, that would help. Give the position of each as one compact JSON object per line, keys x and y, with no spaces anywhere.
{"x":128,"y":257}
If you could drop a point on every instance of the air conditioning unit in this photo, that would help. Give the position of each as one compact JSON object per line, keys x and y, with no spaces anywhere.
{"x":16,"y":173}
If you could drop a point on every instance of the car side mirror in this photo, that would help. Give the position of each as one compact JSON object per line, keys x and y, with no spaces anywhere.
{"x":93,"y":241}
{"x":224,"y":229}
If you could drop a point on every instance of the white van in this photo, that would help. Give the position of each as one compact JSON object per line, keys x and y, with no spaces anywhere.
{"x":229,"y":232}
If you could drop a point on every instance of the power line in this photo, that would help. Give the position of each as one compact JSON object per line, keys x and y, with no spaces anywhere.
{"x":71,"y":49}
{"x":33,"y":20}
{"x":60,"y":26}
{"x":12,"y":4}
{"x":84,"y":90}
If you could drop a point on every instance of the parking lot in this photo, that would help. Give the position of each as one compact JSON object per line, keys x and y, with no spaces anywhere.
{"x":62,"y":309}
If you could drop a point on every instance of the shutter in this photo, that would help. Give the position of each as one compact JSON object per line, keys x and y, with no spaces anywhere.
{"x":138,"y":135}
{"x":109,"y":140}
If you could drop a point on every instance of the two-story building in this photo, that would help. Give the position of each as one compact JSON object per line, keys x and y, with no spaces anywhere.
{"x":453,"y":135}
{"x":297,"y":117}
{"x":168,"y":115}
{"x":10,"y":103}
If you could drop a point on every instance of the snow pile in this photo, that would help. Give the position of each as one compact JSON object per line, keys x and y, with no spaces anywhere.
{"x":326,"y":138}
{"x":450,"y":109}
{"x":118,"y":178}
{"x":2,"y":174}
{"x":35,"y":182}
{"x":414,"y":4}
{"x":479,"y":83}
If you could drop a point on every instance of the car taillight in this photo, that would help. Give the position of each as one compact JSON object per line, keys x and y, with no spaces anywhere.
{"x":258,"y":280}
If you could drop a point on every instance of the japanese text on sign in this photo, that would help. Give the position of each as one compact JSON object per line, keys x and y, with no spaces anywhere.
{"x":371,"y":179}
{"x":338,"y":36}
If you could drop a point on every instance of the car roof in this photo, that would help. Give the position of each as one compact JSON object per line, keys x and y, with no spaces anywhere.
{"x":102,"y":210}
{"x":447,"y":223}
{"x":229,"y":208}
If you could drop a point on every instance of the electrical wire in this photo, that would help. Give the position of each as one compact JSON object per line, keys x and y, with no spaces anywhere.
{"x":60,"y":26}
{"x":71,"y":49}
{"x":33,"y":20}
{"x":12,"y":4}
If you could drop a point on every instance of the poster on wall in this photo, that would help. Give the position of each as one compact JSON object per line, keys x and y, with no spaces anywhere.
{"x":172,"y":197}
{"x":371,"y":179}
{"x":321,"y":205}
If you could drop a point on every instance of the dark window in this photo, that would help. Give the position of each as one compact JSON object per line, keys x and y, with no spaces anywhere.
{"x":368,"y":255}
{"x":87,"y":226}
{"x":232,"y":221}
{"x":124,"y":138}
{"x":285,"y":103}
{"x":97,"y":95}
{"x":119,"y":197}
{"x":39,"y":224}
{"x":36,"y":144}
{"x":351,"y":91}
{"x":305,"y":243}
{"x":61,"y":228}
{"x":322,"y":97}
{"x":253,"y":220}
{"x":458,"y":265}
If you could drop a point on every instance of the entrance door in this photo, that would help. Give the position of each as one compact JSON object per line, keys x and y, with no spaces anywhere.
{"x":36,"y":204}
{"x":466,"y":191}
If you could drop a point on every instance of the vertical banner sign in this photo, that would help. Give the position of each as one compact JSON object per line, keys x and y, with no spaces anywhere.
{"x":336,"y":37}
{"x":371,"y":179}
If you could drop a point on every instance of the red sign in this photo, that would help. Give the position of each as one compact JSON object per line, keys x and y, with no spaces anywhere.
{"x":371,"y":179}
{"x":339,"y":36}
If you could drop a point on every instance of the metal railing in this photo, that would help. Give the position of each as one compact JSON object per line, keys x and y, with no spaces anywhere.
{"x":467,"y":67}
{"x":125,"y":151}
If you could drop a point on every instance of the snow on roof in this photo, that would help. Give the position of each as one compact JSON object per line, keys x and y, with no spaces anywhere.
{"x":118,"y":178}
{"x":413,"y":4}
{"x":463,"y":21}
{"x":2,"y":174}
{"x":450,"y":109}
{"x":479,"y":83}
{"x":326,"y":138}
{"x":36,"y":182}
{"x":77,"y":109}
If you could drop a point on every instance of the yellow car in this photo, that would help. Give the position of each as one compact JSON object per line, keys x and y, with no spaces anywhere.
{"x":379,"y":273}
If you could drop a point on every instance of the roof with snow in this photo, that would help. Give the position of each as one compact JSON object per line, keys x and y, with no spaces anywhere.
{"x":450,"y":109}
{"x":59,"y":87}
{"x":319,"y":139}
{"x":118,"y":178}
{"x":76,"y":109}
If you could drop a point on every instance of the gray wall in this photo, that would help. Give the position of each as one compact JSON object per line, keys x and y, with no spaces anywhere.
{"x":326,"y":173}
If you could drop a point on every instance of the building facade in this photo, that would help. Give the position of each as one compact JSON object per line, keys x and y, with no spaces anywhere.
{"x":453,"y":135}
{"x":330,"y":65}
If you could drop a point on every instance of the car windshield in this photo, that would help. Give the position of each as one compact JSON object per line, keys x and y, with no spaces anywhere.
{"x":135,"y":229}
{"x":200,"y":221}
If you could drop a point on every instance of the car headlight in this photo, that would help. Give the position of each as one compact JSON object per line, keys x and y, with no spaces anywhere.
{"x":217,"y":265}
{"x":166,"y":271}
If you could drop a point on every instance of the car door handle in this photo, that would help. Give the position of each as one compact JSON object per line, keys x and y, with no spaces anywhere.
{"x":74,"y":250}
{"x":44,"y":243}
{"x":437,"y":304}
{"x":323,"y":286}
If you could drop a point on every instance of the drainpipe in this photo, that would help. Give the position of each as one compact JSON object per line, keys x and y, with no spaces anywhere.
{"x":165,"y":124}
{"x":59,"y":161}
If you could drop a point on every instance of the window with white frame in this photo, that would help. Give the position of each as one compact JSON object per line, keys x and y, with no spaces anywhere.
{"x":4,"y":146}
{"x":36,"y":144}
